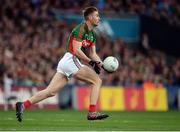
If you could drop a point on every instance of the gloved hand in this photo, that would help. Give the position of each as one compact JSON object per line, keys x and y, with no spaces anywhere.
{"x":96,"y":66}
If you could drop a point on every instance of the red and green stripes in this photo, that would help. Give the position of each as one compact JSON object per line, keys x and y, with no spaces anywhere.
{"x":77,"y":34}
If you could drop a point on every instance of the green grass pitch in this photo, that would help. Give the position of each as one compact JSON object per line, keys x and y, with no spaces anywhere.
{"x":70,"y":120}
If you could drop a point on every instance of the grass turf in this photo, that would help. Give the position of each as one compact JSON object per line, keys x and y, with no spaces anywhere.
{"x":45,"y":120}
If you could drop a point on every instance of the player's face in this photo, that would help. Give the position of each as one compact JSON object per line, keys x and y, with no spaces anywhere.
{"x":95,"y":18}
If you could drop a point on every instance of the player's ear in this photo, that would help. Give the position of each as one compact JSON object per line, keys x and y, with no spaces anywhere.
{"x":90,"y":17}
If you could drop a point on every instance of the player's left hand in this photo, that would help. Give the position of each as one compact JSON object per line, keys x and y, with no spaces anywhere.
{"x":96,"y":65}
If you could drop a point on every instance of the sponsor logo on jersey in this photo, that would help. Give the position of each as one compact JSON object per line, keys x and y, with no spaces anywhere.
{"x":85,"y":43}
{"x":89,"y":37}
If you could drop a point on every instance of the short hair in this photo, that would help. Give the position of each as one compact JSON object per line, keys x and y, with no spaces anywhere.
{"x":88,"y":10}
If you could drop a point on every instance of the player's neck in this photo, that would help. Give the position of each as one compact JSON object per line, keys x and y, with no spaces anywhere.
{"x":90,"y":26}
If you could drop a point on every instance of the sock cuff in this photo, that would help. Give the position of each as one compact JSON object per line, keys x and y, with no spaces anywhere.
{"x":27,"y":103}
{"x":92,"y":108}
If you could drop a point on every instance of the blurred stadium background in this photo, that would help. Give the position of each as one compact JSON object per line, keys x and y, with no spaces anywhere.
{"x":143,"y":34}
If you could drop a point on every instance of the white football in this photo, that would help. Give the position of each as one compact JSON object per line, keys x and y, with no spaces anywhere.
{"x":110,"y":64}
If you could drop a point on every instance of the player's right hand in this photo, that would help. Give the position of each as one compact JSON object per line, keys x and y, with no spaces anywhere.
{"x":96,"y":65}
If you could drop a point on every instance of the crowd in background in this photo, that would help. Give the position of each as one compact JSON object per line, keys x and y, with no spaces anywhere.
{"x":32,"y":41}
{"x":166,"y":10}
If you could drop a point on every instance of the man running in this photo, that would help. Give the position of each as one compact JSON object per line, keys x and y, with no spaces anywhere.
{"x":81,"y":38}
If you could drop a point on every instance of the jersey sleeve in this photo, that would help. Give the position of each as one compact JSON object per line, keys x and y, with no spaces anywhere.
{"x":78,"y":32}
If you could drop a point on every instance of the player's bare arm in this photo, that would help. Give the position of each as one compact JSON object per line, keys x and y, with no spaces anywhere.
{"x":78,"y":52}
{"x":93,"y":55}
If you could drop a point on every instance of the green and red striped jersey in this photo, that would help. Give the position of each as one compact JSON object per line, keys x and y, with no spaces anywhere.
{"x":81,"y":33}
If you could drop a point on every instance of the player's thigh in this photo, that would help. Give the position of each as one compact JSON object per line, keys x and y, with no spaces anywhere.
{"x":58,"y":81}
{"x":88,"y":75}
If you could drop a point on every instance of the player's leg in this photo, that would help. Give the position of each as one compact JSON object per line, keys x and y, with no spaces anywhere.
{"x":88,"y":75}
{"x":57,"y":83}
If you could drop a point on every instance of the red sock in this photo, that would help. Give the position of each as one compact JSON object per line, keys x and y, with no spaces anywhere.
{"x":92,"y":108}
{"x":27,"y":104}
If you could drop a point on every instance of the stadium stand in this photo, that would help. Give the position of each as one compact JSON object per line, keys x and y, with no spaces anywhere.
{"x":32,"y":41}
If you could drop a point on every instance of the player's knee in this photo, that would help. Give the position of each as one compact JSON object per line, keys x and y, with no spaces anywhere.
{"x":97,"y":81}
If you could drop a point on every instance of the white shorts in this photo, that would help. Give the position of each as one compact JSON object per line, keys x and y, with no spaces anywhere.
{"x":69,"y":65}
